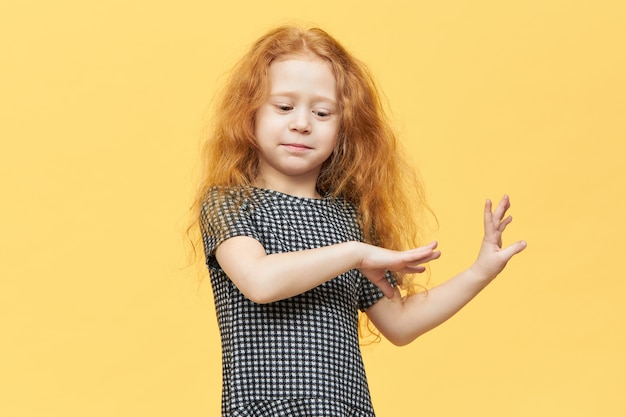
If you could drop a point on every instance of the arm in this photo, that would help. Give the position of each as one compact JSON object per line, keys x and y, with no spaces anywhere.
{"x":266,"y":278}
{"x":402,"y":320}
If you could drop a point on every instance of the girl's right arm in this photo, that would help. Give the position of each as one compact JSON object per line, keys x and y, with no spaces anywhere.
{"x":267,"y":278}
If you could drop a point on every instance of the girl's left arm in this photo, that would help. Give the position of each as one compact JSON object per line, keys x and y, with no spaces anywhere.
{"x":401,"y":320}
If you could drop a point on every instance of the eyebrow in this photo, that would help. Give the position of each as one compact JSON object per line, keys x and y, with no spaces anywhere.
{"x":316,"y":97}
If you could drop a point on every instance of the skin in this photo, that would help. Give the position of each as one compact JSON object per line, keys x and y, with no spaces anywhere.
{"x":403,"y":320}
{"x":296,"y":129}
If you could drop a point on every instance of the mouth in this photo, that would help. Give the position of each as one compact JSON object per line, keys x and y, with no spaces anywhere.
{"x":296,"y":147}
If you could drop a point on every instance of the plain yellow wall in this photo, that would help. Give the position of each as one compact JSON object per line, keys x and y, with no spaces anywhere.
{"x":102,"y":106}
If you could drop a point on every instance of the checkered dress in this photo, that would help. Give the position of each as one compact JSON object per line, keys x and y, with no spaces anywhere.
{"x":299,"y":356}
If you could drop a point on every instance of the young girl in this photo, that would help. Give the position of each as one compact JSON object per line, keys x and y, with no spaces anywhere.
{"x":306,"y":213}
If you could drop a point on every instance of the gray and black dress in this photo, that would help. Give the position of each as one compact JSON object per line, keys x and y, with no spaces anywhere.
{"x":299,"y":356}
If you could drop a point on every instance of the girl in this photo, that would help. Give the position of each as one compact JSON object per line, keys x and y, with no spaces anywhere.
{"x":306,"y":210}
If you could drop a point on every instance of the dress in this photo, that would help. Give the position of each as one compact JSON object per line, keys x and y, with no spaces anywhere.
{"x":299,"y":356}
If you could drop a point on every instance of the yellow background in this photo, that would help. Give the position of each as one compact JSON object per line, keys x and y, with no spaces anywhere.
{"x":102,"y":106}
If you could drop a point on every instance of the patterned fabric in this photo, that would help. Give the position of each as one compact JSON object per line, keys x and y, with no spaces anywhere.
{"x":299,"y":356}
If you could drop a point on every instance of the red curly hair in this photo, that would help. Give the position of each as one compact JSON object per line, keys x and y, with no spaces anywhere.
{"x":366,"y":168}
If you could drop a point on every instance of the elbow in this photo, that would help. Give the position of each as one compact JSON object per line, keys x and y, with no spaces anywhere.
{"x":401,"y":338}
{"x":258,"y":291}
{"x":260,"y":298}
{"x":259,"y":295}
{"x":400,"y":342}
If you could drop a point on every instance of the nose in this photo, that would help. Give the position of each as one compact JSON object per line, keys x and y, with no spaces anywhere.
{"x":300,"y":122}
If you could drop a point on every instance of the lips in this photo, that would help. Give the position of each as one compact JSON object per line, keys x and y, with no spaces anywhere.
{"x":297,"y":147}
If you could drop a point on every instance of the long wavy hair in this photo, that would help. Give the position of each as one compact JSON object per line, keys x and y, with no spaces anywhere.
{"x":366,"y":168}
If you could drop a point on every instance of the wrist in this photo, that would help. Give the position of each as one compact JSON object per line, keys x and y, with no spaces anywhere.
{"x":479,"y":274}
{"x":357,"y":253}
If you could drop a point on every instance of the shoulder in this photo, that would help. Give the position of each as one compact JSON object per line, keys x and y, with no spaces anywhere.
{"x":222,"y":206}
{"x":221,"y":198}
{"x":227,"y":212}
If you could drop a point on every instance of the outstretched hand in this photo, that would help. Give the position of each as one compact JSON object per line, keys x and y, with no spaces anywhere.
{"x":492,"y":258}
{"x":376,"y":261}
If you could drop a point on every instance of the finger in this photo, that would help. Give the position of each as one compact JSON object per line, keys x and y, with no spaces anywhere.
{"x":431,"y":257}
{"x":503,"y":206}
{"x":488,"y":218}
{"x":504,"y":223}
{"x":432,"y":245}
{"x":421,"y":251}
{"x":413,"y":269}
{"x":513,"y":249}
{"x":423,"y":257}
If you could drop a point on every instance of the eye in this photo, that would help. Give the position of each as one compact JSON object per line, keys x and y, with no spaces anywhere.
{"x":284,"y":107}
{"x":322,"y":113}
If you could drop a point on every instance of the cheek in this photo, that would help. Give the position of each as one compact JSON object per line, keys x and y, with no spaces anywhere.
{"x":265,"y":121}
{"x":260,"y":126}
{"x":333,"y":133}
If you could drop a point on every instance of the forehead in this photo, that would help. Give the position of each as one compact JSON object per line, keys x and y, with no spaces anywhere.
{"x":302,"y":73}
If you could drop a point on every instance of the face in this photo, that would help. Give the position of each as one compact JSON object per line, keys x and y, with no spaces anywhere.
{"x":296,"y":128}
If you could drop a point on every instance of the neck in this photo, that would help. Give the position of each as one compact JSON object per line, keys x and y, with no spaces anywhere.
{"x":306,"y":189}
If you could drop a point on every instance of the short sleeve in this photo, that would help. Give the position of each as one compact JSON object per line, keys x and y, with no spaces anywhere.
{"x":224,"y":215}
{"x":370,"y":293}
